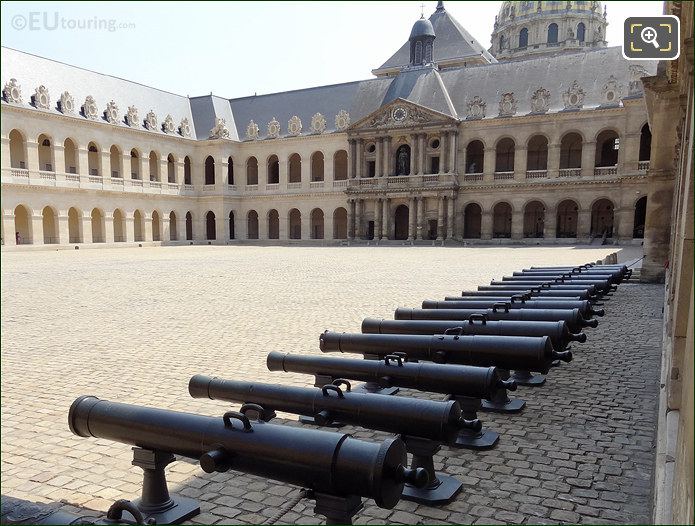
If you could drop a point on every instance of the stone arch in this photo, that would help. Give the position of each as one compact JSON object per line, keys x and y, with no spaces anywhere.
{"x":153,"y":163}
{"x":252,"y":172}
{"x":156,"y":226}
{"x":571,"y":150}
{"x":139,"y":226}
{"x":523,"y":37}
{"x":475,"y":157}
{"x":602,"y":215}
{"x":18,"y":150}
{"x":340,"y":166}
{"x":173,"y":227}
{"x":230,"y":171}
{"x":135,"y":164}
{"x":552,"y":34}
{"x":645,"y":143}
{"x":98,"y":225}
{"x":46,"y":158}
{"x":209,"y":170}
{"x":340,"y":223}
{"x":472,"y":221}
{"x":294,"y":224}
{"x":187,"y":177}
{"x":607,"y":148}
{"x":273,"y":224}
{"x":295,"y":168}
{"x":581,"y":32}
{"x":72,"y":161}
{"x":116,"y":161}
{"x":567,"y":219}
{"x":401,"y":217}
{"x":118,"y":219}
{"x":639,"y":218}
{"x":22,"y":225}
{"x":189,"y":226}
{"x":317,"y":223}
{"x":537,"y":153}
{"x":75,"y":225}
{"x":534,"y":219}
{"x":504,"y":155}
{"x":252,"y":225}
{"x":502,"y":220}
{"x":273,"y":164}
{"x":232,"y":232}
{"x":93,"y":159}
{"x":210,"y":227}
{"x":317,"y":162}
{"x":50,"y":225}
{"x":171,"y":168}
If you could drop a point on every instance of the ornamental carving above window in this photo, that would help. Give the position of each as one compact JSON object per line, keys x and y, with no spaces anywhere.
{"x":185,"y":128}
{"x":252,"y":130}
{"x":476,"y":108}
{"x":318,"y":123}
{"x":612,"y":91}
{"x":294,"y":125}
{"x":219,"y":131}
{"x":111,"y":113}
{"x":89,"y":108}
{"x":507,"y":105}
{"x":132,"y":117}
{"x":342,"y":120}
{"x":66,"y":104}
{"x":168,"y":125}
{"x":573,"y":98}
{"x":12,"y":91}
{"x":41,"y":98}
{"x":151,"y":121}
{"x":273,"y":129}
{"x":540,"y":101}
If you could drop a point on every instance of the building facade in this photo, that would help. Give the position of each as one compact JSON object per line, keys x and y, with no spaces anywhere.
{"x":447,"y":142}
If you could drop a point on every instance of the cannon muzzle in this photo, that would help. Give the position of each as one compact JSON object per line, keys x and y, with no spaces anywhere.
{"x":578,"y":336}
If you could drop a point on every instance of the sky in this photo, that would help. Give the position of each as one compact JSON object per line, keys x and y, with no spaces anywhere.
{"x":236,"y":49}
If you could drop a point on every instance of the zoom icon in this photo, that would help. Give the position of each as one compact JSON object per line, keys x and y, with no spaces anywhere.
{"x":651,"y":38}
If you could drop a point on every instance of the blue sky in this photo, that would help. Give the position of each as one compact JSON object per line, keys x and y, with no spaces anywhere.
{"x":240,"y":48}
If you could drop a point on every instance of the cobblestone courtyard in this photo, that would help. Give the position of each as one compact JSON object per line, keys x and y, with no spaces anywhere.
{"x":133,"y":325}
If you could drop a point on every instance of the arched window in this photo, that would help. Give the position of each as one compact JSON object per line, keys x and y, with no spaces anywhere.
{"x":273,"y":224}
{"x":472,"y":220}
{"x":22,"y":225}
{"x":75,"y":225}
{"x":552,"y":33}
{"x":418,"y":52}
{"x":475,"y":157}
{"x":295,"y":168}
{"x":210,"y":230}
{"x":640,"y":217}
{"x":567,"y":214}
{"x":18,"y":147}
{"x":501,"y":42}
{"x":571,"y":151}
{"x":294,"y":223}
{"x":45,"y":153}
{"x":209,"y":170}
{"x":317,"y":166}
{"x":187,"y":170}
{"x":97,"y":224}
{"x":316,"y":223}
{"x":581,"y":32}
{"x":139,"y":226}
{"x":607,"y":147}
{"x":134,"y":164}
{"x":273,"y":170}
{"x":232,"y":234}
{"x":534,"y":219}
{"x":537,"y":153}
{"x":154,"y":166}
{"x":156,"y":226}
{"x":252,"y":225}
{"x":70,"y":152}
{"x":230,"y":171}
{"x":50,"y":226}
{"x":93,"y":159}
{"x":504,"y":155}
{"x":428,"y":52}
{"x":252,"y":176}
{"x":340,"y":223}
{"x":523,"y":37}
{"x":189,"y":226}
{"x":645,"y":143}
{"x":116,"y":158}
{"x":118,"y":226}
{"x":340,"y":166}
{"x":502,"y":220}
{"x":171,"y":169}
{"x":173,"y":233}
{"x":602,"y":218}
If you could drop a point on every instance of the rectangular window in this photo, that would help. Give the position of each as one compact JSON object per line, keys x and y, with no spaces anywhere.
{"x":434,"y":165}
{"x":371,"y":168}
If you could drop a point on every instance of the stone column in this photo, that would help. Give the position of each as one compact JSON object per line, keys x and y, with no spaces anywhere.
{"x":377,"y":158}
{"x":453,"y":151}
{"x":83,"y":162}
{"x":283,"y":170}
{"x":628,"y":154}
{"x":350,"y":219}
{"x":360,"y":158}
{"x":351,"y":159}
{"x":129,"y":232}
{"x":412,"y":215}
{"x":486,"y":224}
{"x":106,"y":164}
{"x":550,"y":223}
{"x":414,"y":155}
{"x":440,"y":219}
{"x":588,"y":158}
{"x":423,"y":153}
{"x":108,"y":229}
{"x":179,"y":172}
{"x":328,"y":226}
{"x":624,"y":219}
{"x":553,"y":160}
{"x":87,"y":232}
{"x":359,"y":209}
{"x":489,"y":164}
{"x":181,"y":227}
{"x":583,"y":224}
{"x":8,"y":230}
{"x":444,"y":156}
{"x":305,"y":223}
{"x":517,"y":223}
{"x":147,"y":223}
{"x":388,"y":160}
{"x":59,"y":158}
{"x":450,"y":219}
{"x":378,"y":218}
{"x":386,"y":221}
{"x":126,"y":171}
{"x":33,"y":156}
{"x":220,"y":173}
{"x":520,"y":162}
{"x":421,"y":203}
{"x":37,"y":229}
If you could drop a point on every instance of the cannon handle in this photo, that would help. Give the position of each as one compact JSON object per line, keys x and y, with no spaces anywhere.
{"x":398,"y":359}
{"x":229,"y":415}
{"x":501,"y":304}
{"x":456,"y":331}
{"x":343,"y":381}
{"x":332,"y":387}
{"x":482,"y":316}
{"x":263,"y":413}
{"x":519,"y":297}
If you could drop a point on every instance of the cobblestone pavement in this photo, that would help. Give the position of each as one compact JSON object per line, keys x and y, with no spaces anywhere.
{"x":134,"y":324}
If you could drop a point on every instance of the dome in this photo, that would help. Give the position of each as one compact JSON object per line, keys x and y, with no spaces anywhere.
{"x":511,"y":10}
{"x":422,"y":28}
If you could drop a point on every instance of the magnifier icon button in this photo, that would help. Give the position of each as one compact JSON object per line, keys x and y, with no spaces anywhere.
{"x":648,"y":34}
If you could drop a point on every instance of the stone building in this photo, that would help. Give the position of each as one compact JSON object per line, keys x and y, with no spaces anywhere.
{"x":447,"y":142}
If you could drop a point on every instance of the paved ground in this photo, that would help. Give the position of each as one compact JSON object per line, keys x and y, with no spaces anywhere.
{"x":134,"y":324}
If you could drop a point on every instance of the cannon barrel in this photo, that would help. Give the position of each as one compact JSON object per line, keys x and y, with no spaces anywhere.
{"x":544,"y":286}
{"x":572,"y":317}
{"x":623,"y":269}
{"x":608,"y":278}
{"x":557,"y":331}
{"x":615,"y":273}
{"x":506,"y":352}
{"x":570,"y":280}
{"x":600,"y":287}
{"x":534,"y":292}
{"x":439,"y":421}
{"x":457,"y":380}
{"x":332,"y":463}
{"x":584,"y":306}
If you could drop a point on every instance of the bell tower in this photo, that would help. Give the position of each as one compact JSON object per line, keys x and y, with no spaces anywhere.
{"x":422,"y":42}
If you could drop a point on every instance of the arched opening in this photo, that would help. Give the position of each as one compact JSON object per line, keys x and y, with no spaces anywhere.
{"x":472,"y":221}
{"x":154,"y":167}
{"x":534,"y":219}
{"x":317,"y":224}
{"x":252,"y":173}
{"x":187,"y":178}
{"x":552,"y":33}
{"x":340,"y":223}
{"x":22,"y":226}
{"x":504,"y":156}
{"x":93,"y":159}
{"x":294,"y":221}
{"x":18,"y":150}
{"x":210,"y":230}
{"x":475,"y":157}
{"x":537,"y":153}
{"x":602,"y":218}
{"x":252,"y":225}
{"x":501,"y":42}
{"x":115,"y":159}
{"x":45,"y":153}
{"x":581,"y":32}
{"x":50,"y":226}
{"x":189,"y":227}
{"x":273,"y":224}
{"x":400,"y":222}
{"x":645,"y":143}
{"x":173,"y":230}
{"x":74,"y":226}
{"x":502,"y":220}
{"x":156,"y":229}
{"x":209,"y":170}
{"x":70,"y":153}
{"x":317,"y":167}
{"x":273,"y":170}
{"x":295,"y":166}
{"x":230,"y":171}
{"x":139,"y":226}
{"x":134,"y":164}
{"x":97,"y":226}
{"x":118,"y":226}
{"x":403,"y":160}
{"x":607,"y":147}
{"x":523,"y":37}
{"x":340,"y":162}
{"x":640,"y":218}
{"x":567,"y":215}
{"x":232,"y":233}
{"x":571,"y":151}
{"x":171,"y":169}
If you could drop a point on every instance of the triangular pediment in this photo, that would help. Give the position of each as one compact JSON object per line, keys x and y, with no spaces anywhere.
{"x":401,"y":113}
